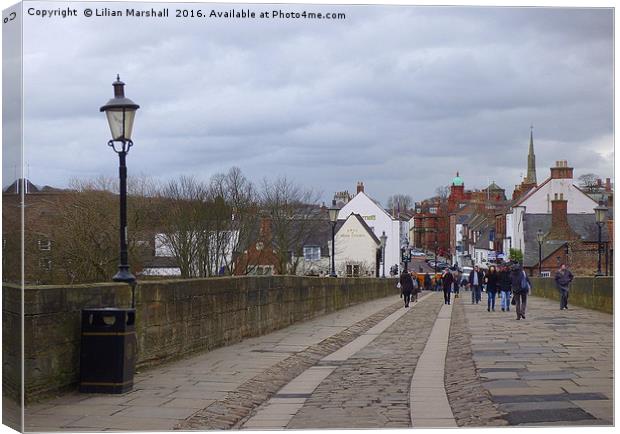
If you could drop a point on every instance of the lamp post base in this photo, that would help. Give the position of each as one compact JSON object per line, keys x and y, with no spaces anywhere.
{"x":333,"y":275}
{"x":124,"y":275}
{"x":599,"y":274}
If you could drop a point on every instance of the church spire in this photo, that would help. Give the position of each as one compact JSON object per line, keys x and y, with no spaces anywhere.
{"x":531,"y":161}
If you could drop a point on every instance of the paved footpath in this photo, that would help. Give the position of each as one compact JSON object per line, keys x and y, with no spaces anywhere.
{"x":375,"y":365}
{"x":212,"y":390}
{"x":553,"y":368}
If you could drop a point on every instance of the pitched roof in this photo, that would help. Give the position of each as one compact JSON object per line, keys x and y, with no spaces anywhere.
{"x":376,"y":203}
{"x":583,"y":224}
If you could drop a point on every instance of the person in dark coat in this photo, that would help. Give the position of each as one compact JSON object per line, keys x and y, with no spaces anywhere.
{"x":427,"y":282}
{"x":520,"y":286}
{"x":417,"y":288}
{"x":492,"y":279}
{"x":446,"y":282}
{"x":406,"y":287}
{"x":563,"y":278}
{"x":476,"y":279}
{"x":456,"y":274}
{"x":504,"y":287}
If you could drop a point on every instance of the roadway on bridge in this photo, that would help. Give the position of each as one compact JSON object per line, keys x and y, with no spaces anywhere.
{"x":375,"y":365}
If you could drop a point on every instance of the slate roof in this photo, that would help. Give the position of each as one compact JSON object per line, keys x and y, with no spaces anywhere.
{"x":583,"y":224}
{"x":484,"y":238}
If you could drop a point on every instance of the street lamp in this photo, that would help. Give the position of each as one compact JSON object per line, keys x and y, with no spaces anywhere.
{"x":405,"y":254}
{"x":383,"y":239}
{"x":333,"y":218}
{"x":120,"y":112}
{"x":600,"y":213}
{"x":436,"y":245}
{"x":539,"y":237}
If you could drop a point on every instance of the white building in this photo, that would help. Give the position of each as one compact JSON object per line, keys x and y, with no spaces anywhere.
{"x":357,"y":249}
{"x":379,"y":221}
{"x":538,"y":201}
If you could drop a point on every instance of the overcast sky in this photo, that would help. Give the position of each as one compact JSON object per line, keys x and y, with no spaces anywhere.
{"x":398,"y":97}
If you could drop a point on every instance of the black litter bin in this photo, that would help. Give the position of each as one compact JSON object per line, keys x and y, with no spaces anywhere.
{"x":108,"y":350}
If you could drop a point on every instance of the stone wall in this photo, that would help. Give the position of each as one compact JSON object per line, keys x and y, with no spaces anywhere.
{"x":589,"y":292}
{"x":174,"y":317}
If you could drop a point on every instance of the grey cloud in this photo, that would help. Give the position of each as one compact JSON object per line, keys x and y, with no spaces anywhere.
{"x":401,"y":97}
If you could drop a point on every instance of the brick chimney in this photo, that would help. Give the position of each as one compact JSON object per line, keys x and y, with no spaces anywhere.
{"x":608,"y":184}
{"x":560,"y":229}
{"x":265,"y":228}
{"x":360,"y":187}
{"x":561,"y":170}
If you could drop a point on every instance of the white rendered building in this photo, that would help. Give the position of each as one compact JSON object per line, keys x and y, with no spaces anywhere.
{"x":357,"y":249}
{"x":378,"y":220}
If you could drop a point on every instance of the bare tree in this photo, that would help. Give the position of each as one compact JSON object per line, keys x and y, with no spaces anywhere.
{"x":294,"y":216}
{"x":84,"y":232}
{"x":183,"y":222}
{"x":589,"y":182}
{"x":237,"y":202}
{"x":402,"y":201}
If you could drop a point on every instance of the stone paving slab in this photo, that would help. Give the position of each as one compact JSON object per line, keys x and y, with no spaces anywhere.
{"x":556,"y":358}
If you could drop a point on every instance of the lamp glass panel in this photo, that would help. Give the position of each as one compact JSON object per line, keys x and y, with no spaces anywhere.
{"x":600,"y":214}
{"x":119,"y":129}
{"x":333,"y":214}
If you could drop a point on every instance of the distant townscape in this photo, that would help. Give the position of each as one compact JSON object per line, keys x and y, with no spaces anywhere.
{"x":230,"y":226}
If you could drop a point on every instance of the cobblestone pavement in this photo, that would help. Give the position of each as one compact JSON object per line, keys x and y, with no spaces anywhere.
{"x":371,"y":389}
{"x":553,"y":368}
{"x":236,"y":405}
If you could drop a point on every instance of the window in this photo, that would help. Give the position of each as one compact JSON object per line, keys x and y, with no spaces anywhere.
{"x":433,"y":210}
{"x":312,"y":253}
{"x":263,"y":270}
{"x":545,"y":274}
{"x":353,"y":270}
{"x":45,"y":245}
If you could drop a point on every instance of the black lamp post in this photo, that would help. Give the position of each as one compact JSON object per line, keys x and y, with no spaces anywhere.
{"x":436,"y":245}
{"x":383,"y":239}
{"x":539,"y":237}
{"x":405,"y":254}
{"x":120,"y":112}
{"x":333,"y":218}
{"x":601,"y":215}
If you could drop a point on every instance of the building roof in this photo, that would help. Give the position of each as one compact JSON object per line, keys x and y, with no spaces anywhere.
{"x":457,"y":180}
{"x":583,"y":224}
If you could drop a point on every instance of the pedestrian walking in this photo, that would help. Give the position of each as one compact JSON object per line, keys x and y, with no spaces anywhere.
{"x":476,"y":278}
{"x":563,"y":278}
{"x":520,"y":286}
{"x":492,"y":280}
{"x":406,"y":287}
{"x":427,"y":282}
{"x":446,"y":282}
{"x":417,"y":288}
{"x":456,"y":275}
{"x":504,"y":287}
